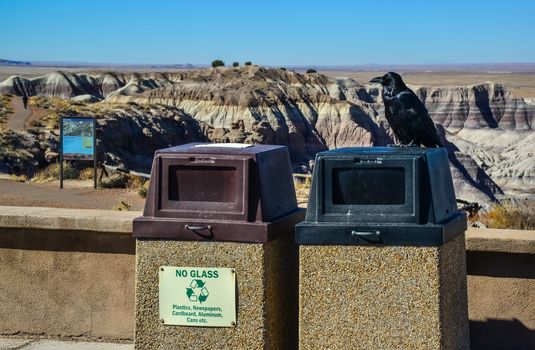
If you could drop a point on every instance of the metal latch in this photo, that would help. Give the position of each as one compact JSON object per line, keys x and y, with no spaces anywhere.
{"x":368,"y":236}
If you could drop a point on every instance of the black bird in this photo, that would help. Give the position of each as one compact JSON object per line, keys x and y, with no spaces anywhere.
{"x":406,"y":114}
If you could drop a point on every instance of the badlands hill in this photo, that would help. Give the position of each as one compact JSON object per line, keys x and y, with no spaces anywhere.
{"x":489,"y":131}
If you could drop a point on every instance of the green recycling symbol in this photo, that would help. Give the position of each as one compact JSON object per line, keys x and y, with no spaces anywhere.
{"x":197,"y":291}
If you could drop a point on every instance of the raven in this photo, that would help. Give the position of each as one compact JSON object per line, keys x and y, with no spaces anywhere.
{"x":406,"y":114}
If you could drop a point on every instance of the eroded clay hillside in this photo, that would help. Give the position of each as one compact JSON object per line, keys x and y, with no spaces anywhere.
{"x":489,"y":132}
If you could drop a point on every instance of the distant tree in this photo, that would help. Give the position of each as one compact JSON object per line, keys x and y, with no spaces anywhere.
{"x":235,"y":64}
{"x":248,"y":63}
{"x":218,"y":63}
{"x":311,"y":71}
{"x":282,"y":68}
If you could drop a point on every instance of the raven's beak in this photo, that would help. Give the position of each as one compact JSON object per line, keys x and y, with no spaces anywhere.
{"x":377,"y":80}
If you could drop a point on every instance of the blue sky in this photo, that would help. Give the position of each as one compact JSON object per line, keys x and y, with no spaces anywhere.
{"x":268,"y":32}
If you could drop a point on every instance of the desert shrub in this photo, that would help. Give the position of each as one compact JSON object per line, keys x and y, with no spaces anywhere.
{"x":248,"y":63}
{"x":35,"y":123}
{"x":18,"y":151}
{"x":55,"y":107}
{"x":144,"y":189}
{"x":138,"y":184}
{"x":114,"y":181}
{"x":77,"y":103}
{"x":51,"y":120}
{"x":509,"y":216}
{"x":18,"y":178}
{"x":235,"y":64}
{"x":311,"y":71}
{"x":86,"y":174}
{"x":69,"y":171}
{"x":52,"y":171}
{"x":218,"y":63}
{"x":5,"y":107}
{"x":134,"y":182}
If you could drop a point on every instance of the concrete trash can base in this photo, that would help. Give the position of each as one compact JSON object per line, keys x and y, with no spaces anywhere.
{"x":382,"y":258}
{"x":366,"y":297}
{"x":220,"y":206}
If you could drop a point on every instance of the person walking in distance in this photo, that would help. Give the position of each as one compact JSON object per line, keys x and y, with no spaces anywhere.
{"x":25,"y":101}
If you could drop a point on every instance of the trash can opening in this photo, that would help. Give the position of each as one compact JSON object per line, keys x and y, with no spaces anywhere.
{"x":202,"y":183}
{"x":370,"y":186}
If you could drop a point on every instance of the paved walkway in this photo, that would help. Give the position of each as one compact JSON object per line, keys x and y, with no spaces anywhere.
{"x":29,"y":344}
{"x":76,"y":194}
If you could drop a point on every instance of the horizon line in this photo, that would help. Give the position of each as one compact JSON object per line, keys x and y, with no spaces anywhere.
{"x":44,"y":63}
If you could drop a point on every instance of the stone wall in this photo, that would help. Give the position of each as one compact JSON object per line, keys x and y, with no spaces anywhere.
{"x":501,"y":288}
{"x":70,"y":273}
{"x":66,"y":273}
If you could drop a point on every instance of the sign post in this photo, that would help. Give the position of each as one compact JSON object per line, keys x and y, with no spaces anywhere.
{"x":78,"y":142}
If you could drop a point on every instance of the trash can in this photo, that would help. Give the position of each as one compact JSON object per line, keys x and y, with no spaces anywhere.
{"x":381,"y":253}
{"x":216,"y":262}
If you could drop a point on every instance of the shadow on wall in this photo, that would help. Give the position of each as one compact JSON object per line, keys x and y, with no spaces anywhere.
{"x":501,"y":335}
{"x":507,"y":276}
{"x":500,"y":264}
{"x":69,"y":241}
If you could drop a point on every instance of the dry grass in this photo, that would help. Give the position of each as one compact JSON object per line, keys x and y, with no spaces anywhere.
{"x":36,"y":123}
{"x":18,"y":178}
{"x":52,"y":171}
{"x":54,"y":107}
{"x":508,"y":216}
{"x":138,"y":184}
{"x":131,"y":182}
{"x":134,"y":182}
{"x":86,"y":174}
{"x":13,"y":149}
{"x":302,"y":185}
{"x":122,"y":206}
{"x":144,"y":189}
{"x":5,"y":107}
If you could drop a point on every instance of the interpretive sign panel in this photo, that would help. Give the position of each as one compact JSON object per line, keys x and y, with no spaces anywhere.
{"x":78,"y":138}
{"x":78,"y":142}
{"x":197,"y":296}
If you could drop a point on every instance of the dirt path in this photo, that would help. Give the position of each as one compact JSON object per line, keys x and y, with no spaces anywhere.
{"x":17,"y":120}
{"x":76,"y":194}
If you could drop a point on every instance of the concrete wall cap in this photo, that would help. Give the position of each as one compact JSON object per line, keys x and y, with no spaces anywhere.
{"x":68,"y":219}
{"x":497,"y":240}
{"x":492,"y":240}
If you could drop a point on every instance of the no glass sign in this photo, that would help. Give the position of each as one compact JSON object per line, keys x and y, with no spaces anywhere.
{"x":197,"y":296}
